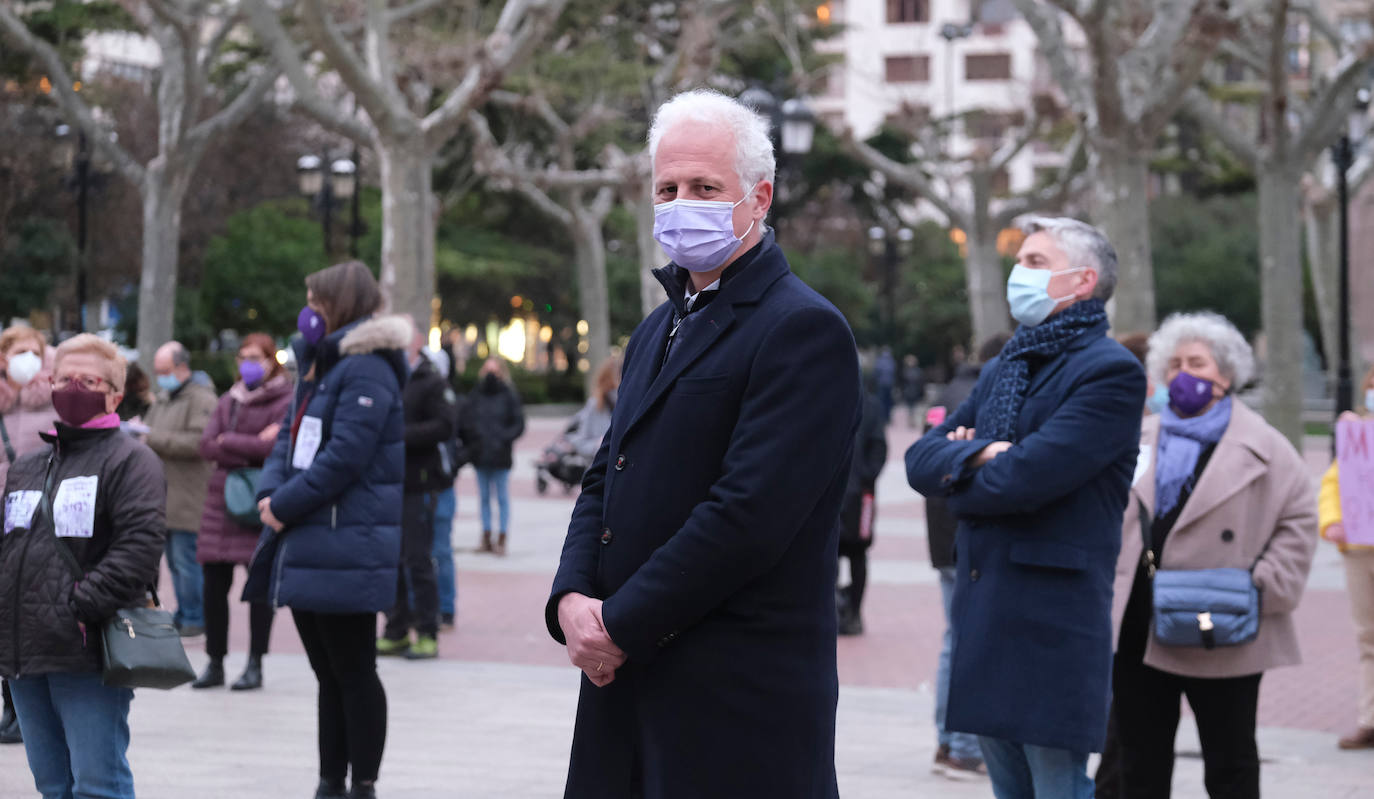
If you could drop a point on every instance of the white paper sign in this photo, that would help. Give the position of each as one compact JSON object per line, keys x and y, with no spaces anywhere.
{"x":19,"y":508}
{"x":308,"y":439}
{"x":74,"y":507}
{"x":1142,"y":463}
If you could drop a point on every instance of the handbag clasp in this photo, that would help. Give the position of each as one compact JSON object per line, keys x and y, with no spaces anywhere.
{"x":128,"y":625}
{"x":1204,"y":621}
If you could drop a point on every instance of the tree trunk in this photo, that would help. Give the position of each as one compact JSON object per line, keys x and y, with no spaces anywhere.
{"x":1281,"y":297}
{"x":651,"y":255}
{"x":1323,"y":232}
{"x":1123,"y":213}
{"x":157,"y":289}
{"x":986,"y":284}
{"x":589,"y":253}
{"x":408,"y":226}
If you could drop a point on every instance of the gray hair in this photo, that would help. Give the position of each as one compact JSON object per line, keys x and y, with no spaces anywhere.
{"x":754,"y":160}
{"x":1235,"y":360}
{"x":178,"y":353}
{"x":1085,"y":245}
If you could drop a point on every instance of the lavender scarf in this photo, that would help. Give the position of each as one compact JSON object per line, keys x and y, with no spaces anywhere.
{"x":1181,"y":442}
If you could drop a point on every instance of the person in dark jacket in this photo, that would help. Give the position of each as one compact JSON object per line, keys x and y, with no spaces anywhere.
{"x":1037,"y":466}
{"x":858,"y":512}
{"x":492,"y":420}
{"x":957,"y":754}
{"x":913,"y":387}
{"x":431,"y":410}
{"x":331,"y":497}
{"x":696,"y":589}
{"x":84,"y":524}
{"x":240,"y":435}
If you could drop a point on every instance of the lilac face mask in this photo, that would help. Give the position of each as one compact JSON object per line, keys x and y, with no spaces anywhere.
{"x":1189,"y":394}
{"x":311,"y":325}
{"x":252,"y":373}
{"x":698,"y":234}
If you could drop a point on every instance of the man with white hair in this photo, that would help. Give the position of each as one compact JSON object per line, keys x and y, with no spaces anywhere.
{"x":696,"y":589}
{"x":1037,"y":466}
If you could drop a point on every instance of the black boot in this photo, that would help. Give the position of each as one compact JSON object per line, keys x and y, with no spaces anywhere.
{"x":366,"y":791}
{"x":252,"y":675}
{"x":331,"y":790}
{"x":213,"y":676}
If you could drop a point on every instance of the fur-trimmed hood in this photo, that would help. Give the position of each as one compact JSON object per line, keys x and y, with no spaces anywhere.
{"x":375,"y":334}
{"x":384,"y":336}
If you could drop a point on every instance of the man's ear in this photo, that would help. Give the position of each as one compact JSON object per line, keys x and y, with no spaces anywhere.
{"x":1087,"y":283}
{"x":763,"y":197}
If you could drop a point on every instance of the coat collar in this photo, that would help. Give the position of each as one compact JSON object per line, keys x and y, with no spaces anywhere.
{"x":384,"y":335}
{"x":1050,"y":368}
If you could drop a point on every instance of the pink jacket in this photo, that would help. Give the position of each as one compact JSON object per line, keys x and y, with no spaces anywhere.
{"x":26,"y":413}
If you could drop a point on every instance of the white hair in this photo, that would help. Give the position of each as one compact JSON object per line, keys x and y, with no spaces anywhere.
{"x":754,"y":161}
{"x":1085,"y":245}
{"x":1235,"y":360}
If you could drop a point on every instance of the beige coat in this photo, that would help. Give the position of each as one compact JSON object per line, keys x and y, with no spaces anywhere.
{"x":176,"y":424}
{"x":1256,"y":489}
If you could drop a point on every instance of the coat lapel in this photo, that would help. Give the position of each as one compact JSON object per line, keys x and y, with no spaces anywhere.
{"x":1234,"y":465}
{"x":714,"y":320}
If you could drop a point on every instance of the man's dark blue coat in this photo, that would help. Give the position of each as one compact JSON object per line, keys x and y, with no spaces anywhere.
{"x":341,"y":545}
{"x":1039,"y":533}
{"x":708,"y":525}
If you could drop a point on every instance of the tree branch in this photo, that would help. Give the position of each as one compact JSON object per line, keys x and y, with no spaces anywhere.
{"x":1011,"y":149}
{"x":907,"y":176}
{"x":490,"y":160}
{"x":239,"y":108}
{"x":1069,"y":180}
{"x":1200,"y":107}
{"x":74,"y":107}
{"x":1332,"y":102}
{"x":1050,"y":37}
{"x":268,"y":28}
{"x":1321,"y":23}
{"x":415,"y":9}
{"x":380,"y":101}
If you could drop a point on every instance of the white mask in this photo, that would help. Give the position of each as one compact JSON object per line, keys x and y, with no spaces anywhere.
{"x":24,"y":367}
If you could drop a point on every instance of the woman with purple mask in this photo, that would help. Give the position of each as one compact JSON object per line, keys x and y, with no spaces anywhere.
{"x":240,"y":435}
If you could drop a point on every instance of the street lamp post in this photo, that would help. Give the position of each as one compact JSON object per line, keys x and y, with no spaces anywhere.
{"x":793,"y":127}
{"x":341,"y":183}
{"x":951,"y":33}
{"x":882,"y":246}
{"x":1343,"y":155}
{"x":81,"y":159}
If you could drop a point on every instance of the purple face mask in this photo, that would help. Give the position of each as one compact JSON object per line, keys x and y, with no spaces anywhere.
{"x":1189,"y":394}
{"x":252,"y":373}
{"x":699,"y":235}
{"x":311,"y":325}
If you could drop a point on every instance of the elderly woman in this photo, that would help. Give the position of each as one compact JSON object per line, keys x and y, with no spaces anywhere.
{"x":84,"y":523}
{"x":1218,"y":488}
{"x":1359,"y":575}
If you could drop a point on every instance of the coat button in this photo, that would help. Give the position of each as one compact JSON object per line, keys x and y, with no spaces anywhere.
{"x":606,"y":535}
{"x":620,"y":463}
{"x":974,"y":574}
{"x":1227,"y":536}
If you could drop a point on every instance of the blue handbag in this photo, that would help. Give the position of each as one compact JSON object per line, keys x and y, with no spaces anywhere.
{"x":1201,"y":607}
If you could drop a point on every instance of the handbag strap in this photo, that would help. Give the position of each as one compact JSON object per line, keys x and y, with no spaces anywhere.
{"x":1148,"y":554}
{"x":9,"y":448}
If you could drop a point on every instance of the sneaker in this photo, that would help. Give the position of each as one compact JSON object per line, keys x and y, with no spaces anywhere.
{"x":191,"y":630}
{"x":1363,"y":738}
{"x":426,"y":647}
{"x":941,"y":759}
{"x":389,"y":647}
{"x":964,"y":769}
{"x":446,"y":621}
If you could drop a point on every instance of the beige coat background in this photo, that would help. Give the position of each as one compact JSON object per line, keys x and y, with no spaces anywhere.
{"x":1257,"y":488}
{"x":176,"y":423}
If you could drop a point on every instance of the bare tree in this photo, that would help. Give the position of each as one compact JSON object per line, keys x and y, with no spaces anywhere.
{"x":577,"y":199}
{"x":1142,"y":55}
{"x":962,"y":189}
{"x":401,"y":121}
{"x":1321,"y":219}
{"x":191,"y":35}
{"x":1293,"y":129}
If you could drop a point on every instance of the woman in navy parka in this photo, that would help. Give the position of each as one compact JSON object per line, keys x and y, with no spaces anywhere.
{"x":330,"y":497}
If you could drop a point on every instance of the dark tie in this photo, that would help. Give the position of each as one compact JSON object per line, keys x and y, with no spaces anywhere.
{"x":682,"y":324}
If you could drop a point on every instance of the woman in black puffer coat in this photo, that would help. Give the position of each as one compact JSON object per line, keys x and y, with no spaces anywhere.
{"x":491,"y":421}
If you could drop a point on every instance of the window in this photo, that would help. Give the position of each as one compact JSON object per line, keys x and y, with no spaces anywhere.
{"x":907,"y":69}
{"x":899,"y":11}
{"x":987,"y":66}
{"x":992,"y":125}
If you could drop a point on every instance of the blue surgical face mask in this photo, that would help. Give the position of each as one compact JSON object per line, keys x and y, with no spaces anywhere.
{"x":1028,"y":293}
{"x":1159,"y":400}
{"x":168,"y":383}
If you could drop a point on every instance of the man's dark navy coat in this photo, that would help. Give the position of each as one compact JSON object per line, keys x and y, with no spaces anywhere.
{"x":708,"y":523}
{"x":1039,"y":533}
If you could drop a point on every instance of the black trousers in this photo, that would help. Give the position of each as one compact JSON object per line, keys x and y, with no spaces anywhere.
{"x":857,"y":554}
{"x":1146,"y":702}
{"x":417,"y":588}
{"x":219,"y":577}
{"x":342,"y":649}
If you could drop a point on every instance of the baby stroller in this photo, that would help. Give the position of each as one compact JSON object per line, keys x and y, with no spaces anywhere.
{"x":560,"y":462}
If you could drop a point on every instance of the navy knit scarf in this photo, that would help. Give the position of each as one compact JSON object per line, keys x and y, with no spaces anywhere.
{"x":1042,"y":342}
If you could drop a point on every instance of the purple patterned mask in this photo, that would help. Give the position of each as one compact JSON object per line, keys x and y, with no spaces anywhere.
{"x":311,"y":325}
{"x":698,"y":234}
{"x":1189,"y":394}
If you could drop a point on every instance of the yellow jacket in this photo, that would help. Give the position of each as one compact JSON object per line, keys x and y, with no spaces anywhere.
{"x":1329,"y":505}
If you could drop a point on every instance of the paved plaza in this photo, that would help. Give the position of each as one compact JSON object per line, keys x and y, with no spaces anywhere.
{"x":493,"y":717}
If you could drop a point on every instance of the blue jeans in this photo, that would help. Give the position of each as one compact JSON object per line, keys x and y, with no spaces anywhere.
{"x":498,"y":479}
{"x":76,"y":734}
{"x":187,"y":578}
{"x":962,"y":745}
{"x":443,"y":551}
{"x":1023,"y":771}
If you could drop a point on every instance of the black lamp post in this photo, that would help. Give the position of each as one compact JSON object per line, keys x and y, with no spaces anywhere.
{"x":341,"y":184}
{"x":889,"y":252}
{"x":952,"y":32}
{"x":1343,"y":154}
{"x":793,"y":128}
{"x":77,"y":154}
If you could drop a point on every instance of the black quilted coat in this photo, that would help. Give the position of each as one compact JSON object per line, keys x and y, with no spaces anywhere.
{"x":117,"y":544}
